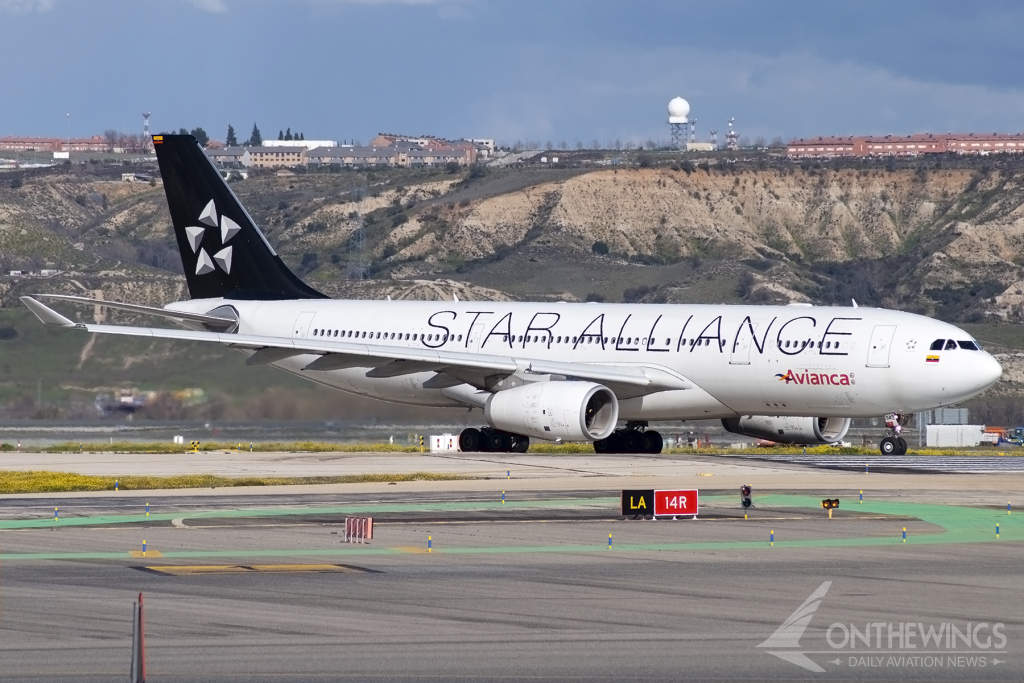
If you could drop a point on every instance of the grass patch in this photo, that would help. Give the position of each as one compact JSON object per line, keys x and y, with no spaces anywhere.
{"x":161,"y":447}
{"x":268,"y":447}
{"x":54,"y":482}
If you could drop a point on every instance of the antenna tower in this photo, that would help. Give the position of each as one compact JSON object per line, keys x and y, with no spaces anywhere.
{"x":732,"y":138}
{"x":147,"y":141}
{"x":714,"y":139}
{"x":693,"y":130}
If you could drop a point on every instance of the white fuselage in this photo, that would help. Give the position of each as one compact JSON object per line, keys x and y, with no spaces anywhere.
{"x":741,"y":360}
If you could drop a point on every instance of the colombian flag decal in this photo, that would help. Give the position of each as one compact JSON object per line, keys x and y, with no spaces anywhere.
{"x":931,"y":359}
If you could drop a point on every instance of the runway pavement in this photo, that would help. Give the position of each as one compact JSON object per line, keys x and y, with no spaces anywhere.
{"x":257,"y":585}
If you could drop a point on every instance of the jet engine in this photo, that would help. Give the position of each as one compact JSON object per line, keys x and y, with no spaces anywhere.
{"x":794,"y":430}
{"x":574,"y":411}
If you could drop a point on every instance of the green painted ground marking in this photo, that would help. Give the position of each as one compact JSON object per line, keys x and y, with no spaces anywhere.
{"x":959,"y":525}
{"x":48,"y":522}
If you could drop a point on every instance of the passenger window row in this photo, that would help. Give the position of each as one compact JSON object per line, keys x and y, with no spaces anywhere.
{"x":318,"y":332}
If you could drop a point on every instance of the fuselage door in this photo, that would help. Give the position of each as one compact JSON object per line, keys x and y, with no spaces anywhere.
{"x":475,"y":336}
{"x":741,"y":345}
{"x":881,"y":343}
{"x":300,"y":330}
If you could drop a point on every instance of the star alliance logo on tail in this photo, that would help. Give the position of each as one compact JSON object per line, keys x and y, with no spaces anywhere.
{"x":228,"y":229}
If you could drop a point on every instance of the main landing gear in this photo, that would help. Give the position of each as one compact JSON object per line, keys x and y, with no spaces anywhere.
{"x":893,"y":443}
{"x":492,"y":440}
{"x":634,"y":438}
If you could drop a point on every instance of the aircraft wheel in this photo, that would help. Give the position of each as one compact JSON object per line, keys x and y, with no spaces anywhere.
{"x":602,"y":445}
{"x":615,"y":442}
{"x":522,"y":444}
{"x":471,"y":440}
{"x":903,"y":445}
{"x":631,"y":442}
{"x":498,"y":442}
{"x":651,"y":442}
{"x":889,"y":446}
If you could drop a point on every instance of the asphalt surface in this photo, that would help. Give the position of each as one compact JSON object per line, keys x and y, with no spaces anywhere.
{"x":261,"y":588}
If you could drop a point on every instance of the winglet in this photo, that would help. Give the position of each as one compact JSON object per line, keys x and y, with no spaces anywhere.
{"x":46,"y":315}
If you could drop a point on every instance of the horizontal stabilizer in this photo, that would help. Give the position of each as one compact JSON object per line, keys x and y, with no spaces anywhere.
{"x":46,"y":315}
{"x":147,"y":310}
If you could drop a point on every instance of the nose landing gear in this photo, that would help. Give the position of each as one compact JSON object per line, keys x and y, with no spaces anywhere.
{"x":893,"y":443}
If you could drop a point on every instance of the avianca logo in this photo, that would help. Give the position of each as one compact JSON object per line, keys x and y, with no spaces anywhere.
{"x":816,"y":378}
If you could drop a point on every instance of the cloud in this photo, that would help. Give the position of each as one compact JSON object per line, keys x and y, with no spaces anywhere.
{"x":612,"y":92}
{"x":26,"y":6}
{"x":210,"y":5}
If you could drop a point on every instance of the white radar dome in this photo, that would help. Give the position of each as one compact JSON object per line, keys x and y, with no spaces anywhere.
{"x":678,"y":110}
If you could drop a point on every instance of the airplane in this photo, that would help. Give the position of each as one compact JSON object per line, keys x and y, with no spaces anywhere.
{"x":795,"y":374}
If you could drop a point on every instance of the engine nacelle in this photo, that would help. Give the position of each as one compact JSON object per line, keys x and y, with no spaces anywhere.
{"x":573,"y":411}
{"x":794,"y":430}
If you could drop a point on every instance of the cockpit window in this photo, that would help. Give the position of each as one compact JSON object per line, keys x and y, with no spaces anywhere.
{"x":950,"y":345}
{"x":969,"y":345}
{"x":938,"y":344}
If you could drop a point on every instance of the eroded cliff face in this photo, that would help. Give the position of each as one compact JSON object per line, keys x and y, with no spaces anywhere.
{"x":936,"y":230}
{"x":939,"y":241}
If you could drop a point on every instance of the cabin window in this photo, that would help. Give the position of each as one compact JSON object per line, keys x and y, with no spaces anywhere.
{"x":950,"y":345}
{"x":604,"y":340}
{"x":668,"y":342}
{"x":968,"y":345}
{"x":460,"y":338}
{"x":937,"y":345}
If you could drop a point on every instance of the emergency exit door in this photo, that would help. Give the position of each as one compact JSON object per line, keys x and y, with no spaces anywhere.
{"x":880,"y":345}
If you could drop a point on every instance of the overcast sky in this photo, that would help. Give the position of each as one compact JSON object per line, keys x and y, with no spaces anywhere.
{"x":510,"y":69}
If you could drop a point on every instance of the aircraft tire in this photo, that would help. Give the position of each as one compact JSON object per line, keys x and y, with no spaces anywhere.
{"x":652,"y":442}
{"x":889,"y":446}
{"x":522,"y":444}
{"x":471,"y":440}
{"x":602,"y":445}
{"x":903,"y":445}
{"x":630,"y":442}
{"x":498,"y":442}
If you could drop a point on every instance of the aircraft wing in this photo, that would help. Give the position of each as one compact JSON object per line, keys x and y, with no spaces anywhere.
{"x":383,"y":360}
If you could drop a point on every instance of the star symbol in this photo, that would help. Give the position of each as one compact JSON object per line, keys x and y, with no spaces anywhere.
{"x":228,"y":229}
{"x":911,"y":345}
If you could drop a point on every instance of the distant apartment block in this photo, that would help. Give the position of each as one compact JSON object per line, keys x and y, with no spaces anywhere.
{"x":274,"y":157}
{"x":16,"y":144}
{"x":308,"y":144}
{"x":907,"y":145}
{"x":399,"y":154}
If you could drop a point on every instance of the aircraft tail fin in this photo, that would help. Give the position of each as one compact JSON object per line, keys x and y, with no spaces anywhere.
{"x":222,"y":250}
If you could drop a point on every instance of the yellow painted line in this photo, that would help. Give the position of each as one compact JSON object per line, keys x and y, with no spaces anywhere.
{"x":189,"y":570}
{"x":148,"y":553}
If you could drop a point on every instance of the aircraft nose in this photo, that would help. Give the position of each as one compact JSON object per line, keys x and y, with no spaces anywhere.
{"x":990,"y":370}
